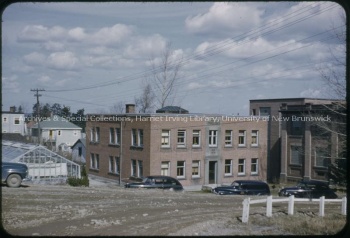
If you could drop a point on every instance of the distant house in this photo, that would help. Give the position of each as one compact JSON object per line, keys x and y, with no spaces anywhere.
{"x":79,"y":151}
{"x":13,"y":122}
{"x":57,"y":133}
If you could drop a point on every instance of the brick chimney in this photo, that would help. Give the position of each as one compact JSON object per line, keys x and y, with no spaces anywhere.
{"x":130,"y":108}
{"x":13,"y":109}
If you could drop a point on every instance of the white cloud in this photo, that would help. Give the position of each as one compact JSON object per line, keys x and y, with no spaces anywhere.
{"x":34,"y":58}
{"x":311,"y":93}
{"x":44,"y":79}
{"x":62,"y":61}
{"x":53,"y":46}
{"x":111,"y":36}
{"x":142,"y":47}
{"x":224,"y":16}
{"x":77,"y":34}
{"x":10,"y":84}
{"x":40,"y":33}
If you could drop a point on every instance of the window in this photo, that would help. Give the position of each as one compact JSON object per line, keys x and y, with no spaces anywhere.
{"x":4,"y":119}
{"x":140,"y":137}
{"x":241,"y":167}
{"x":255,"y":138}
{"x":95,"y":161}
{"x":165,"y":168}
{"x":180,"y":169}
{"x":133,"y":167}
{"x":181,"y":138}
{"x":196,"y":138}
{"x":140,"y":168}
{"x":117,"y":165}
{"x":296,"y":155}
{"x":111,"y":136}
{"x":228,"y":138}
{"x":254,"y":166}
{"x":212,"y":138}
{"x":264,"y":111}
{"x":111,"y":164}
{"x":228,"y":167}
{"x":322,"y":156}
{"x":97,"y":132}
{"x":117,"y":132}
{"x":133,"y":137}
{"x":165,"y":138}
{"x":59,"y":132}
{"x":16,"y":121}
{"x":92,"y":134}
{"x":241,"y":138}
{"x":295,"y":127}
{"x":92,"y":161}
{"x":195,"y":169}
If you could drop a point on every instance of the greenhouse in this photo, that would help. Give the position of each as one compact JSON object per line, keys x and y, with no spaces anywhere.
{"x":44,"y":165}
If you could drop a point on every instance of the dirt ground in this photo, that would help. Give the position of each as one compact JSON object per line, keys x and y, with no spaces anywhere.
{"x":61,"y":210}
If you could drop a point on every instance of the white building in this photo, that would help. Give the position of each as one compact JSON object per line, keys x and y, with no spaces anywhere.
{"x":13,"y":122}
{"x":57,"y":133}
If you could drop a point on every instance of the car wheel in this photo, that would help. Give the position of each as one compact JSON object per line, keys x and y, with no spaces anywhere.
{"x":13,"y":181}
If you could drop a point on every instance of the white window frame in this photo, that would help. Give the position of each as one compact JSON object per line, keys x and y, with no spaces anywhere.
{"x":133,"y":168}
{"x":230,"y":167}
{"x":117,"y":164}
{"x":139,"y":168}
{"x":92,"y":134}
{"x":297,"y":148}
{"x":182,"y":143}
{"x":179,"y":167}
{"x":97,"y":161}
{"x":117,"y":136}
{"x":255,"y":134}
{"x":140,"y":137}
{"x":97,"y":134}
{"x":133,"y":137}
{"x":240,"y":164}
{"x":111,"y":167}
{"x":228,"y":142}
{"x":256,"y":164}
{"x":242,"y":134}
{"x":196,"y":134}
{"x":92,"y":161}
{"x":196,"y":164}
{"x":17,"y":119}
{"x":213,"y":138}
{"x":165,"y":136}
{"x":112,"y":136}
{"x":165,"y":166}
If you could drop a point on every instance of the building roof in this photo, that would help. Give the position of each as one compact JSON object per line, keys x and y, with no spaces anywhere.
{"x":83,"y":141}
{"x":294,"y":99}
{"x":56,"y":122}
{"x":172,"y":109}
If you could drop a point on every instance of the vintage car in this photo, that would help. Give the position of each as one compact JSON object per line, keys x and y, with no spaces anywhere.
{"x":12,"y":174}
{"x":308,"y":189}
{"x":160,"y":182}
{"x":243,"y":187}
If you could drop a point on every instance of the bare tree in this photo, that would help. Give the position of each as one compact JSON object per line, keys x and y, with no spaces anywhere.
{"x":164,"y":75}
{"x":145,"y":102}
{"x":118,"y":107}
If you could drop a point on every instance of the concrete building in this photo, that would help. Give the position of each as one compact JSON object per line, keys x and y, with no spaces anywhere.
{"x":197,"y":149}
{"x":272,"y":108}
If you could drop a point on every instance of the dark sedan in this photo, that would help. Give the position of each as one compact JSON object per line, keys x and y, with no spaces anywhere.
{"x":308,"y":189}
{"x":243,"y":187}
{"x":160,"y":182}
{"x":12,"y":174}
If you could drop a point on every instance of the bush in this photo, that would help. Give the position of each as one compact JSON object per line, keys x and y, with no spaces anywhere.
{"x":78,"y":182}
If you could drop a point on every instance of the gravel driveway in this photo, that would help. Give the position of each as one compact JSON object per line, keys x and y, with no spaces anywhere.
{"x":61,"y":210}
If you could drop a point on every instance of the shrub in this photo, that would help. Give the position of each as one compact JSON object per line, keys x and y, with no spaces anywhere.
{"x":78,"y":182}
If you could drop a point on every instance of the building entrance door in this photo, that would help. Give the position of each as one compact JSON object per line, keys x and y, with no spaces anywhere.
{"x":212,"y":172}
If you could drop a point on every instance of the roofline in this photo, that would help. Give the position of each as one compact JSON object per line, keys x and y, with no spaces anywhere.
{"x":299,"y":99}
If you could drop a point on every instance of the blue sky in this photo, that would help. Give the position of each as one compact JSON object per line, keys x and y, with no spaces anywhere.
{"x":94,"y":55}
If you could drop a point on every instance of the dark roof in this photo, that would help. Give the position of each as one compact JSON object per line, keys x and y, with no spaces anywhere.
{"x":172,"y":109}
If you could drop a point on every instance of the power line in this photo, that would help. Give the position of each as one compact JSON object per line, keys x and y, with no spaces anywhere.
{"x":37,"y":95}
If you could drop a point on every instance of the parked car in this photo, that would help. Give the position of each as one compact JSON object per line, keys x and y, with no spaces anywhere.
{"x":308,"y":189}
{"x":13,"y":174}
{"x":160,"y":182}
{"x":244,"y":187}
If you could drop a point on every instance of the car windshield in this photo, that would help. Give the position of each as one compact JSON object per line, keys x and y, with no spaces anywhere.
{"x":148,"y":180}
{"x":234,"y":184}
{"x":301,"y":185}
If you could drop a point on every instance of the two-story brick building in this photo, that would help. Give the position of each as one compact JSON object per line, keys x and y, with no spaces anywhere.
{"x":197,"y":149}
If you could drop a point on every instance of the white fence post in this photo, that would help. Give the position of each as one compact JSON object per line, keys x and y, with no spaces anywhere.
{"x":291,"y":205}
{"x":245,"y":215}
{"x":343,"y":206}
{"x":269,"y":206}
{"x":321,"y":213}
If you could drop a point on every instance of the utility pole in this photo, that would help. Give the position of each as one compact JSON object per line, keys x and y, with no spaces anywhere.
{"x":37,"y":95}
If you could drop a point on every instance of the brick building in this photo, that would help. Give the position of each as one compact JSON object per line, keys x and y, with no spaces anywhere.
{"x":197,"y":149}
{"x":276,"y":153}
